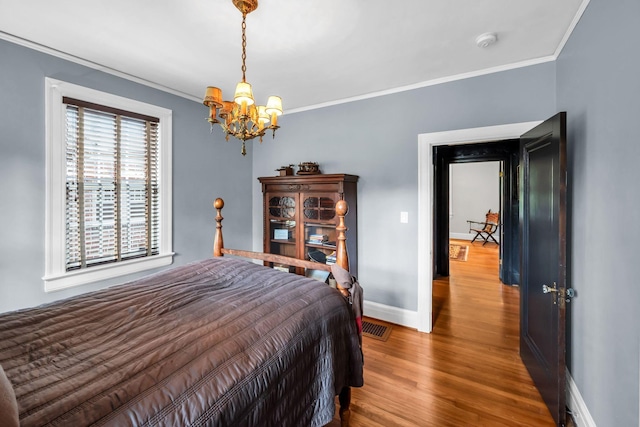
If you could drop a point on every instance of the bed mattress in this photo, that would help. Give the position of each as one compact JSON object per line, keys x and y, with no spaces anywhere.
{"x":219,"y":342}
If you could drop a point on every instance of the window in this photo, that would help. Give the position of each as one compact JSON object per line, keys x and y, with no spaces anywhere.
{"x":108,"y":186}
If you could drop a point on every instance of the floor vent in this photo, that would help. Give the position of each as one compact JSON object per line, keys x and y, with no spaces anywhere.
{"x":375,"y":330}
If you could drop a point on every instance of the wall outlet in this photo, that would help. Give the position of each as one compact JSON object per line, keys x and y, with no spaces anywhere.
{"x":404,"y":217}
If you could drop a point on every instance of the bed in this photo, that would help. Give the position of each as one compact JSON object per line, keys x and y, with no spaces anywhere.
{"x":218,"y":342}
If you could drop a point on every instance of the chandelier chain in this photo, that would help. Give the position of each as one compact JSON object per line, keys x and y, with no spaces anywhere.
{"x":244,"y":46}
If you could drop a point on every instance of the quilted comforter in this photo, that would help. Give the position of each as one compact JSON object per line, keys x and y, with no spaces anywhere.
{"x":220,"y":342}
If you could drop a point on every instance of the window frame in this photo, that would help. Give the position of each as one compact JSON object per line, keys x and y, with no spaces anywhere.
{"x":56,"y":276}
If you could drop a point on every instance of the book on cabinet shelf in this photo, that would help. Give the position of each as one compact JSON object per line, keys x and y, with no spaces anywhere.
{"x":317,"y":239}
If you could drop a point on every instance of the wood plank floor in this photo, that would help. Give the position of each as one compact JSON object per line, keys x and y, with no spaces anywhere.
{"x":467,"y":372}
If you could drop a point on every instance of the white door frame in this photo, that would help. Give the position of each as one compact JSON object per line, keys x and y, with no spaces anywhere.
{"x":426,"y":142}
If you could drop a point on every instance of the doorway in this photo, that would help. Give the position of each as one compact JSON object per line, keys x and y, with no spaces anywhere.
{"x":474,"y":188}
{"x":426,"y":199}
{"x":507,"y":153}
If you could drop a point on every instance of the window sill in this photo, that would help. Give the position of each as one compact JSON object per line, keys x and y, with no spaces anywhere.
{"x":56,"y":282}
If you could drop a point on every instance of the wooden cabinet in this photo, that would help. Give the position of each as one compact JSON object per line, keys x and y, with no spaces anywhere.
{"x":300,"y":218}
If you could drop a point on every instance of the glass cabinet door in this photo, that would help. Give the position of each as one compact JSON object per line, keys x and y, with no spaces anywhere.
{"x":319,"y":207}
{"x":282,"y":226}
{"x":320,"y":220}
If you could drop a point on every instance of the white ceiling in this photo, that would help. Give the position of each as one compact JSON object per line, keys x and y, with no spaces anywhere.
{"x":310,"y":52}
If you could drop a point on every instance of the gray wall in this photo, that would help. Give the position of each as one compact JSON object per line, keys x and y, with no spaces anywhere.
{"x":475,"y":188}
{"x":377,"y":139}
{"x":598,"y":84}
{"x":204,"y":166}
{"x":595,"y":80}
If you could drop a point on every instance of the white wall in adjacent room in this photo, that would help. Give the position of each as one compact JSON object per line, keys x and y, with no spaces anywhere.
{"x":474,"y":189}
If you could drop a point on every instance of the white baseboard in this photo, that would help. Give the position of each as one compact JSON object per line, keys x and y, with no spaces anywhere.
{"x":399,"y":316}
{"x":576,"y":404}
{"x":461,"y":236}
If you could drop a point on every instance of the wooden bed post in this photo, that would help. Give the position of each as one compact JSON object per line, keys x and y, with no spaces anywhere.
{"x":342,"y":259}
{"x":218,"y":241}
{"x":345,"y":402}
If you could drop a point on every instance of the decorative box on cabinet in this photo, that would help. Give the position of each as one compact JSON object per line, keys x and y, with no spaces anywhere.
{"x":300,"y":219}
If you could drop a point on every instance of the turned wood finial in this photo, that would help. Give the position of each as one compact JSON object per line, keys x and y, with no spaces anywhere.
{"x":342,"y":258}
{"x":218,"y":241}
{"x":342,"y":207}
{"x":218,"y":204}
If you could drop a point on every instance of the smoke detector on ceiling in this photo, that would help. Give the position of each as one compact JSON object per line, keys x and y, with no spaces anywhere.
{"x":486,"y":39}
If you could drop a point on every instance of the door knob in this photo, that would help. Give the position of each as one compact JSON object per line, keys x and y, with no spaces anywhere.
{"x":562,"y":295}
{"x":549,"y":290}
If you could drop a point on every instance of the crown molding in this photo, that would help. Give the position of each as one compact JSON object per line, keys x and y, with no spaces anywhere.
{"x":449,"y":79}
{"x":426,"y":83}
{"x":572,"y":26}
{"x":77,"y":60}
{"x":433,"y":82}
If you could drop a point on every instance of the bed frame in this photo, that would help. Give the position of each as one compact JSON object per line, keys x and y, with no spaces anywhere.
{"x":342,"y":259}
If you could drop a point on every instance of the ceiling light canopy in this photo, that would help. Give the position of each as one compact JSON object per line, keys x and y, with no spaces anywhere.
{"x":242,"y":118}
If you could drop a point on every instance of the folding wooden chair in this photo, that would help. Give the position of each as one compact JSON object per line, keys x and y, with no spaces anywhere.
{"x":485,"y":229}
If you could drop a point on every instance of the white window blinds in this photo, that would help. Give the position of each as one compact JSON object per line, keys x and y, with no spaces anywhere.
{"x":112,"y":197}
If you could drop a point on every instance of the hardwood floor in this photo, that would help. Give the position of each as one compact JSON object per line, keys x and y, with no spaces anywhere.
{"x":467,"y":372}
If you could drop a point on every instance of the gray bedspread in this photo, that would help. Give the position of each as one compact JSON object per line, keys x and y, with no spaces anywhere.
{"x":220,"y":342}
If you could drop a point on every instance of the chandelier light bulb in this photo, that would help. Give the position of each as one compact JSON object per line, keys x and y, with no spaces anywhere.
{"x":244,"y":94}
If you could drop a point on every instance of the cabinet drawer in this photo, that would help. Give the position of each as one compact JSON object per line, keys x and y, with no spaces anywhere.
{"x":296,"y":187}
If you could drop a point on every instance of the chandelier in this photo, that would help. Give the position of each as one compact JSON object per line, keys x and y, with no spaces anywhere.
{"x":241,"y":118}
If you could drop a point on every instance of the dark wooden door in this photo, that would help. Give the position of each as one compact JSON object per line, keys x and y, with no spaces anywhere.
{"x":543,"y":269}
